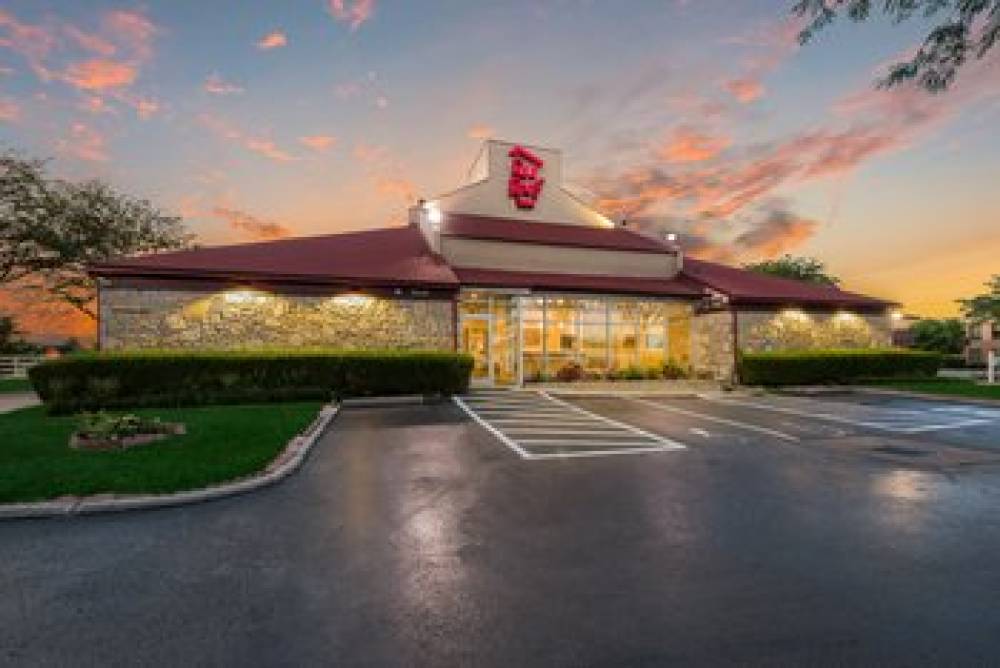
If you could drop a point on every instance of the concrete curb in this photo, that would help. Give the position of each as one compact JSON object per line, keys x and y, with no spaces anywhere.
{"x":979,"y":401}
{"x":285,"y":464}
{"x":400,"y":400}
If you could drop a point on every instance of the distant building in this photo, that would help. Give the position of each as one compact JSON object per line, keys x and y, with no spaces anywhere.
{"x":980,"y":339}
{"x":902,"y":329}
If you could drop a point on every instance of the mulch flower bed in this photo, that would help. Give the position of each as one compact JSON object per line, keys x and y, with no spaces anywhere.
{"x":100,"y":431}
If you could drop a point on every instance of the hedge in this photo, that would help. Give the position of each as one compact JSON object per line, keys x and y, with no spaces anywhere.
{"x":805,"y":367}
{"x":89,"y":381}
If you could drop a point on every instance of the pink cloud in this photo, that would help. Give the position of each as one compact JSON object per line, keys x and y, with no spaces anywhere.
{"x":272,"y":40}
{"x":134,"y":29}
{"x":268,"y":149}
{"x":257,"y":144}
{"x":397,"y":186}
{"x":100,"y":74}
{"x":85,"y":143}
{"x":33,"y":42}
{"x":687,"y":144}
{"x":745,"y":90}
{"x":216,"y":85}
{"x":318,"y":142}
{"x":249,"y":225}
{"x":353,"y":12}
{"x":90,"y":41}
{"x":10,"y":111}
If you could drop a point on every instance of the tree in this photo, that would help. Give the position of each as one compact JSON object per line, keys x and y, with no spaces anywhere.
{"x":807,"y":269}
{"x":944,"y":336}
{"x":967,"y":28}
{"x":8,"y":331}
{"x":51,"y":229}
{"x":984,"y":307}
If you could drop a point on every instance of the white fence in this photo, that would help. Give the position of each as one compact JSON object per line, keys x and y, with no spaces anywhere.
{"x":16,"y":366}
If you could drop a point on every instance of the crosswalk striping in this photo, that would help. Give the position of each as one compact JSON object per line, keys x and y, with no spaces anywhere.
{"x":539,"y":426}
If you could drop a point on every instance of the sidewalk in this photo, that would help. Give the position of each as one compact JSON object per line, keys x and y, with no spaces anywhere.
{"x":17,"y":400}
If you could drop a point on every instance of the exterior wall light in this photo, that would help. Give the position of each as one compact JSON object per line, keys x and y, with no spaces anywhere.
{"x":794,"y":314}
{"x":352,"y":299}
{"x":434,"y":215}
{"x":896,"y":315}
{"x":244,"y":297}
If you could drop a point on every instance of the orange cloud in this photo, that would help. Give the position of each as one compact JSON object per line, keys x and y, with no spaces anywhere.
{"x":216,"y":85}
{"x":401,"y":187}
{"x":268,"y":149}
{"x":353,"y":12}
{"x":689,"y":145}
{"x":10,"y":111}
{"x":318,"y":142}
{"x":33,"y":42}
{"x":90,"y":41}
{"x":133,"y":29}
{"x":100,"y":74}
{"x":249,"y":225}
{"x":745,"y":90}
{"x":480,"y":131}
{"x":273,"y":40}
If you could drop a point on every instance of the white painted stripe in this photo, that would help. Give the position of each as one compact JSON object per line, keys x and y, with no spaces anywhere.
{"x":597,"y":453}
{"x":493,"y":430}
{"x":954,"y":425}
{"x":579,"y":443}
{"x":567,"y":432}
{"x":665,"y":441}
{"x":714,"y":418}
{"x":808,"y":414}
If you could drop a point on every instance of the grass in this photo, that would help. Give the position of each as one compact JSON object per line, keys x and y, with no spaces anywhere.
{"x":945,"y":386}
{"x":15,"y":385}
{"x":222,"y":443}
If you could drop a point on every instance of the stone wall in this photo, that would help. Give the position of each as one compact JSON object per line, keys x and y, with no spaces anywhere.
{"x":792,"y":329}
{"x":155,"y":318}
{"x":712,"y":353}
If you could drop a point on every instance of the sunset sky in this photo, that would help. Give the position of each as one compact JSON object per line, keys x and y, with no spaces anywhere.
{"x":263,"y":119}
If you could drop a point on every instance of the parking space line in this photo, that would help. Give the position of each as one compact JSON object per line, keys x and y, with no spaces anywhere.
{"x":493,"y":430}
{"x":892,"y":424}
{"x":713,"y":418}
{"x":537,"y":425}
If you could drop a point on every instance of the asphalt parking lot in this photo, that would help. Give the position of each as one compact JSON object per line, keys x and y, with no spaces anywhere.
{"x":841,"y":530}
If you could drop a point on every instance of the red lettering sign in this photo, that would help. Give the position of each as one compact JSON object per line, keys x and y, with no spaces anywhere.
{"x":524,"y":185}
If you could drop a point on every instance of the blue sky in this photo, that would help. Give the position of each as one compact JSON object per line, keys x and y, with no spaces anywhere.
{"x":701,"y":115}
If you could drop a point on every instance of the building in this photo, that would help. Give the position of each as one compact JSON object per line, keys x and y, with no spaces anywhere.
{"x":981,"y":338}
{"x":510,"y":267}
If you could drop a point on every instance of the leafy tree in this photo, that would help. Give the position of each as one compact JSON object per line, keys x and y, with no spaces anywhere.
{"x":52,"y":229}
{"x":984,"y":307}
{"x":968,"y":28}
{"x":807,"y":269}
{"x":8,"y":331}
{"x":944,"y":336}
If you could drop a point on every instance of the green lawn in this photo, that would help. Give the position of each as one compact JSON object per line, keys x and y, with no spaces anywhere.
{"x":948,"y":387}
{"x":15,"y":385}
{"x":222,"y":443}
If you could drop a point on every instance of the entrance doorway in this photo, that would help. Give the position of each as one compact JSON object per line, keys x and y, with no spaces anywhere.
{"x":491,"y":340}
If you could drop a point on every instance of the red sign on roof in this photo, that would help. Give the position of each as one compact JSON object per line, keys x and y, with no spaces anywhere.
{"x":525,"y":184}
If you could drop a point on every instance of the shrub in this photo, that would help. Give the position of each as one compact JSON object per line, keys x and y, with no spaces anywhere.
{"x":89,"y":381}
{"x":672,"y":370}
{"x":569,"y":372}
{"x":835,"y":366}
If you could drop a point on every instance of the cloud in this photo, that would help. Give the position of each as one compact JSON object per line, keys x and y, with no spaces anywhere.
{"x":481,"y":131}
{"x":745,"y":90}
{"x":133,"y":29}
{"x":100,"y":74}
{"x":775,"y":232}
{"x":687,"y":144}
{"x":258,"y":144}
{"x":216,"y":85}
{"x":268,"y":149}
{"x":367,"y":153}
{"x":352,"y":12}
{"x":249,"y":225}
{"x":32,"y":41}
{"x":318,"y":142}
{"x":272,"y":40}
{"x":10,"y":111}
{"x":90,"y":41}
{"x":85,"y":143}
{"x":397,"y":186}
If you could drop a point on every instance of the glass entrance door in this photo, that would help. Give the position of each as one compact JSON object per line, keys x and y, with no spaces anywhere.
{"x":475,"y":341}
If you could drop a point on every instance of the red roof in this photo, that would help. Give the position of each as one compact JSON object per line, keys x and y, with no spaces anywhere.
{"x":749,"y":287}
{"x":676,"y":287}
{"x":470,"y":226}
{"x":392,"y":256}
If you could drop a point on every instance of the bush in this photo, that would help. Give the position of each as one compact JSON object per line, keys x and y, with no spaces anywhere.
{"x":673,"y":370}
{"x":90,"y":381}
{"x":835,"y":366}
{"x":569,"y":372}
